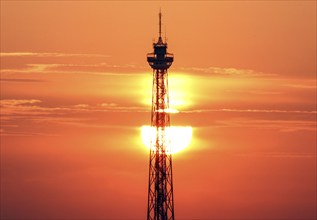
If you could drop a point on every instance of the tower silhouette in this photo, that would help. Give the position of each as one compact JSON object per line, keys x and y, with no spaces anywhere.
{"x":160,"y":191}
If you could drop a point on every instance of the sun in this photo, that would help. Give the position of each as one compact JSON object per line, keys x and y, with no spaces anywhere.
{"x":177,"y":137}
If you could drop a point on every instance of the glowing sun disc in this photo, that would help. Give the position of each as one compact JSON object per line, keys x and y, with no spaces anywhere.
{"x":177,"y":137}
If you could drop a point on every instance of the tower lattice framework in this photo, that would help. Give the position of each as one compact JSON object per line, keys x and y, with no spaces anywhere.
{"x":160,"y":191}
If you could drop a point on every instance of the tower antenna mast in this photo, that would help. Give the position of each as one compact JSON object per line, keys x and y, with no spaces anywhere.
{"x":160,"y":27}
{"x":160,"y":24}
{"x":160,"y":190}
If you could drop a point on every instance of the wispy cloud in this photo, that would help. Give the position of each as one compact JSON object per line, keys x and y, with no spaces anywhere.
{"x":28,"y":112}
{"x":15,"y":102}
{"x":106,"y":105}
{"x":46,"y":54}
{"x":53,"y":65}
{"x":89,"y":69}
{"x":23,"y":80}
{"x":81,"y":106}
{"x":16,"y":107}
{"x":224,"y":71}
{"x":36,"y":111}
{"x":63,"y":65}
{"x":313,"y":85}
{"x":271,"y":124}
{"x":12,"y":108}
{"x":4,"y":132}
{"x":295,"y":155}
{"x":250,"y":111}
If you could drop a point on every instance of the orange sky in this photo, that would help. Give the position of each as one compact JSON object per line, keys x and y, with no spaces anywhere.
{"x":76,"y":89}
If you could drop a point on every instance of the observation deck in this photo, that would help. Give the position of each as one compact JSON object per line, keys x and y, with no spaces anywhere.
{"x":160,"y":58}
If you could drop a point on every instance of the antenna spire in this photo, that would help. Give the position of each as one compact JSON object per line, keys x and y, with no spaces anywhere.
{"x":160,"y":26}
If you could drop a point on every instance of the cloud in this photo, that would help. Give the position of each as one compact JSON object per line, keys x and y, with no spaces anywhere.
{"x":3,"y":132}
{"x":15,"y":102}
{"x":89,"y":69}
{"x":81,"y":106}
{"x":63,"y":65}
{"x":12,"y":108}
{"x":294,"y":155}
{"x":35,"y":110}
{"x":21,"y":80}
{"x":16,"y":107}
{"x":301,"y":86}
{"x":45,"y":54}
{"x":266,"y":119}
{"x":112,"y":107}
{"x":108,"y":105}
{"x":25,"y":117}
{"x":272,"y":124}
{"x":249,"y":111}
{"x":23,"y":66}
{"x":224,"y":71}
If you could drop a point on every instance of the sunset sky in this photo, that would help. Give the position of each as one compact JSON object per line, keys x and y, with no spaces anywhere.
{"x":76,"y":90}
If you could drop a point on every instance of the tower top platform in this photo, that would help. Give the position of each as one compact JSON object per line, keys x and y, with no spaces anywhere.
{"x":160,"y":58}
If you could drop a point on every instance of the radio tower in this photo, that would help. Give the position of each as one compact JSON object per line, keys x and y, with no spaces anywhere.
{"x":160,"y":194}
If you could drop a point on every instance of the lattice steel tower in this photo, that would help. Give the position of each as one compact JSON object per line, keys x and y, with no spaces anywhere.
{"x":160,"y":194}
